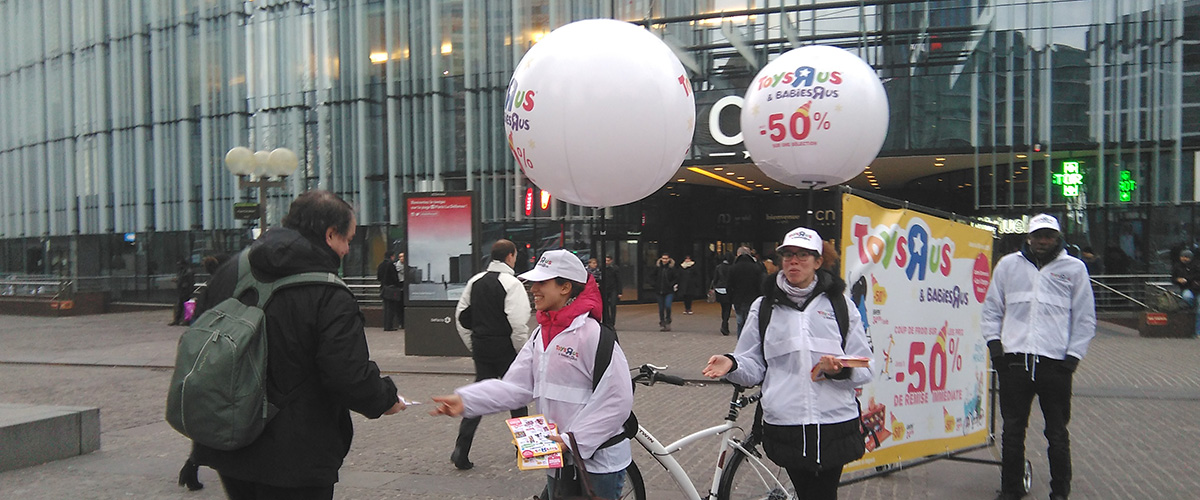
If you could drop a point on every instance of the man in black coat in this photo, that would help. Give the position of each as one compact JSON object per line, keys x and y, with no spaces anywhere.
{"x":390,"y":291}
{"x":745,"y":284}
{"x":317,"y":360}
{"x":610,"y":291}
{"x":665,"y":277}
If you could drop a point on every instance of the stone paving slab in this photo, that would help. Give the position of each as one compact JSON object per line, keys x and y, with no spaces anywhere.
{"x":1131,"y":427}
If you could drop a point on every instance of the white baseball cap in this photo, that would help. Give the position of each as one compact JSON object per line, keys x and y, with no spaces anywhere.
{"x":802,"y":237}
{"x":557,"y":264}
{"x":1043,"y":221}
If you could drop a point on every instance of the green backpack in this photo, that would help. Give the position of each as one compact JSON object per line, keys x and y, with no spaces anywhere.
{"x":218,"y":394}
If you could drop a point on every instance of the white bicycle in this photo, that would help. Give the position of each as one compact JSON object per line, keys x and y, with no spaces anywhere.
{"x":741,"y":472}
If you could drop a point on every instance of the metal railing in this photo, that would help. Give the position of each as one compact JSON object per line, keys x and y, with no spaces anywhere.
{"x":1127,"y":292}
{"x":36,"y":287}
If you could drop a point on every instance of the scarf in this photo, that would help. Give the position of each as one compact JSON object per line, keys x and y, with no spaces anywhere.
{"x":795,"y":294}
{"x":554,"y":322}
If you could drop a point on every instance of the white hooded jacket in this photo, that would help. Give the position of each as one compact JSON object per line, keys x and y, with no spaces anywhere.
{"x":559,"y":379}
{"x":796,"y":340}
{"x":1045,"y":312}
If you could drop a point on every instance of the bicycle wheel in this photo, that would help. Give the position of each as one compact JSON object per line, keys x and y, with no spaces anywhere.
{"x":634,"y":488}
{"x":743,"y":478}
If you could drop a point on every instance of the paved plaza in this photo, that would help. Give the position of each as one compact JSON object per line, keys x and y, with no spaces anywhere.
{"x":1136,"y":413}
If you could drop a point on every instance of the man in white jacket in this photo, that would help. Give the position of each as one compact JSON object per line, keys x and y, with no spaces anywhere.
{"x":1038,"y":318}
{"x":494,"y":328}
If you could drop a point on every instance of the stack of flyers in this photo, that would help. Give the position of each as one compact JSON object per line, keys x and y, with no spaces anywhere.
{"x":535,"y":449}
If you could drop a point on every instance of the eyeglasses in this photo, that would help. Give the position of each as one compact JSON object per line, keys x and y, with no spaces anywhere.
{"x":799,"y":254}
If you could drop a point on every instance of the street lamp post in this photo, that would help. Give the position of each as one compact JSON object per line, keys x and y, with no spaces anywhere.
{"x":256,"y":169}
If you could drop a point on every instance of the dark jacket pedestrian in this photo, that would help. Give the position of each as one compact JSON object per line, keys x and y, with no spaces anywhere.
{"x":690,"y":286}
{"x":610,"y":291}
{"x":665,"y":278}
{"x":720,"y":286}
{"x":185,"y":286}
{"x":745,"y":284}
{"x":390,"y":291}
{"x":1185,"y":273}
{"x":317,"y":359}
{"x":493,"y":317}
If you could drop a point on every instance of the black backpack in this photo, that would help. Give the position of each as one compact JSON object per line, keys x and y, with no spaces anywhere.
{"x":604,"y":350}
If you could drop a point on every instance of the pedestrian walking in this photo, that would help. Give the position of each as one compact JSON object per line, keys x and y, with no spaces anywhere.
{"x":493,"y":317}
{"x":317,"y":360}
{"x":185,"y":286}
{"x":189,"y":474}
{"x":719,"y":285}
{"x":404,"y":273}
{"x":810,"y":417}
{"x":390,"y":291}
{"x":745,"y":284}
{"x":689,"y":283}
{"x":1038,"y":318}
{"x":665,"y":277}
{"x":610,"y":291}
{"x":555,"y":368}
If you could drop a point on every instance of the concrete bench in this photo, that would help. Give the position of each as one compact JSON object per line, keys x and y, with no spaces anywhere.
{"x":33,"y":434}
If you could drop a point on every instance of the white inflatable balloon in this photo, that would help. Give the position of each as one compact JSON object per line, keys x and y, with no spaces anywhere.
{"x":599,"y":113}
{"x":815,"y":115}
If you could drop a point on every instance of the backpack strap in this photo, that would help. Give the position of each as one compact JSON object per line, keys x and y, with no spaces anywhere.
{"x":246,"y":281}
{"x":604,"y":351}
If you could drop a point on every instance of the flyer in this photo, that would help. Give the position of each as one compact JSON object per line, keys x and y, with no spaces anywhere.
{"x":532,"y":436}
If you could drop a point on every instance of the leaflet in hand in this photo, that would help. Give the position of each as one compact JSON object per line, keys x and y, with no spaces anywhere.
{"x":531,"y":434}
{"x":854,"y":361}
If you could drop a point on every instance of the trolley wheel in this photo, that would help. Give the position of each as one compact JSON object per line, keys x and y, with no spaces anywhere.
{"x":1027,"y":479}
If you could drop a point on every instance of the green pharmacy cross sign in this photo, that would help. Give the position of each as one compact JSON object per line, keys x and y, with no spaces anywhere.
{"x":1070,"y":179}
{"x":1126,"y":186}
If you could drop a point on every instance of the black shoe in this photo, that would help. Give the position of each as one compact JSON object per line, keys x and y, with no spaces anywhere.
{"x":667,"y":327}
{"x":725,"y":331}
{"x":189,"y":476}
{"x":460,"y":462}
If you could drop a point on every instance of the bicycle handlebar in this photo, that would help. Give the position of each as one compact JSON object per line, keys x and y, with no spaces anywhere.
{"x":670,"y":379}
{"x":649,"y":374}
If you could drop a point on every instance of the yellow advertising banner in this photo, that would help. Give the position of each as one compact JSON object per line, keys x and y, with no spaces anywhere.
{"x":919,"y":282}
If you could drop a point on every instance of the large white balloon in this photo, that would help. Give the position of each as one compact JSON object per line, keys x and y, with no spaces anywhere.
{"x":599,"y":113}
{"x":816,"y":115}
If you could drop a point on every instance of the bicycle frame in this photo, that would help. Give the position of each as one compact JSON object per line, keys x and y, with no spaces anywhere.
{"x":664,"y":454}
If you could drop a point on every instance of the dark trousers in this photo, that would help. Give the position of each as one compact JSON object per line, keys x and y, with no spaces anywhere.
{"x":664,"y":307}
{"x":1024,"y":377}
{"x":484,"y":369}
{"x":815,"y":485}
{"x":179,"y":300}
{"x":687,"y":303}
{"x":726,"y":308}
{"x":237,"y":489}
{"x":740,"y":311}
{"x":610,"y":310}
{"x":393,"y":314}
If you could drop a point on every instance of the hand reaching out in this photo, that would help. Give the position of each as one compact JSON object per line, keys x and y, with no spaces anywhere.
{"x":717,"y":366}
{"x":450,"y":405}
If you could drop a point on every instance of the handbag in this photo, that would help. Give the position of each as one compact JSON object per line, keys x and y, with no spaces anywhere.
{"x":189,"y":311}
{"x":712,"y":296}
{"x":573,"y":483}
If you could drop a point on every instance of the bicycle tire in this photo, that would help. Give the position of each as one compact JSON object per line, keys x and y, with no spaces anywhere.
{"x":635,"y":488}
{"x":741,"y":479}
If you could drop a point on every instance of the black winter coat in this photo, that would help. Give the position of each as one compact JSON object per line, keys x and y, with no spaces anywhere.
{"x":665,"y":277}
{"x":316,"y":348}
{"x":745,"y":280}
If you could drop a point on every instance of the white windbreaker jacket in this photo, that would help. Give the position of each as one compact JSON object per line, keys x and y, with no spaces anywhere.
{"x":559,"y":379}
{"x":795,"y":343}
{"x":1046,"y":312}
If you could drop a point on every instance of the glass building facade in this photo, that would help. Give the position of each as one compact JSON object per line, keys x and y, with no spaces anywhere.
{"x":118,"y":114}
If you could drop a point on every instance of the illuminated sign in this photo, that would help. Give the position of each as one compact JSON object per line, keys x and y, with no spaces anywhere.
{"x":528,"y":201}
{"x":1070,"y":179}
{"x":545,"y":199}
{"x":1126,"y":186}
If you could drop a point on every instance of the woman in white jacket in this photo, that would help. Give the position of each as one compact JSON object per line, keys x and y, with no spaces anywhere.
{"x":809,"y":411}
{"x":555,"y":368}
